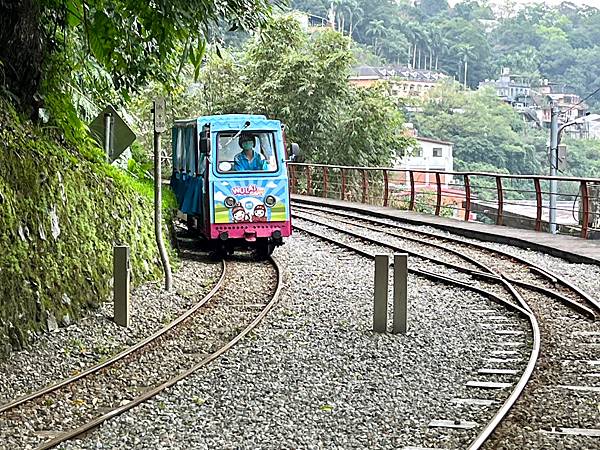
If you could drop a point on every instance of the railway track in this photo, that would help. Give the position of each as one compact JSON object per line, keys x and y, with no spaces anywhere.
{"x":73,"y":406}
{"x":515,"y":269}
{"x":540,"y":410}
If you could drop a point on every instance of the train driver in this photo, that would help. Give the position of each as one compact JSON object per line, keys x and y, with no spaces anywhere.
{"x":248,"y":159}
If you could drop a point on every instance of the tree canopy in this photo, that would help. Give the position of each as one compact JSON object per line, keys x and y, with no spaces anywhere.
{"x":558,"y":43}
{"x":99,"y":47}
{"x":482,"y":130}
{"x":303,"y":80}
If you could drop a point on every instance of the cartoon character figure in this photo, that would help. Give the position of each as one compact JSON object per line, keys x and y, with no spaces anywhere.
{"x":260,"y":214}
{"x":238,"y":213}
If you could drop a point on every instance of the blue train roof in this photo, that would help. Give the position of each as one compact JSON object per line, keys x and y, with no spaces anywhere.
{"x":233,"y":122}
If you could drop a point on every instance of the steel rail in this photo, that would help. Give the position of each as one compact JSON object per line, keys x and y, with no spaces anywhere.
{"x":408,"y":238}
{"x":156,"y":390}
{"x":487,"y":274}
{"x":391,"y":246}
{"x":119,"y":356}
{"x":524,"y":309}
{"x":549,"y":275}
{"x":420,"y":272}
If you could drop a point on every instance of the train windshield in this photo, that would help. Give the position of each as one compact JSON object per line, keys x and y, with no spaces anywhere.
{"x":249,"y":151}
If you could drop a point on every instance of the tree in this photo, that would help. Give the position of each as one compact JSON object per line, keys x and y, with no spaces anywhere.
{"x":123,"y":44}
{"x":482,"y":128}
{"x":464,"y":52}
{"x":377,"y":31}
{"x":431,"y":8}
{"x":302,"y":80}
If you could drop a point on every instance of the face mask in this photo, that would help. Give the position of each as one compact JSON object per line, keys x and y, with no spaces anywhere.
{"x":247,"y":145}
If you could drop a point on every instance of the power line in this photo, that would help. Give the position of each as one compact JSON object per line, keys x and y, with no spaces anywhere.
{"x":577,"y":104}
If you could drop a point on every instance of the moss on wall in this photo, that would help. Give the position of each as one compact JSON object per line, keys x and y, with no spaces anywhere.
{"x":60,"y":215}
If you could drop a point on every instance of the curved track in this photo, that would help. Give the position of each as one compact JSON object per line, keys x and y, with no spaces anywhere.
{"x":81,"y":403}
{"x":526,"y":287}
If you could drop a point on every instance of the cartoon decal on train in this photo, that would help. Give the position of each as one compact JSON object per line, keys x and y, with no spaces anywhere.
{"x":259,"y":201}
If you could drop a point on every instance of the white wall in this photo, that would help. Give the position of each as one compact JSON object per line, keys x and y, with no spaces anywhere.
{"x":428,"y":161}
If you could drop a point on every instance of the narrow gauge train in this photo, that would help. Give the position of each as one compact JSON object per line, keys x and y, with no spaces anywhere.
{"x":230,"y":178}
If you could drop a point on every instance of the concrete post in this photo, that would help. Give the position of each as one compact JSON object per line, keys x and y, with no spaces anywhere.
{"x":121,"y":285}
{"x":400,"y":313}
{"x":382,"y":263}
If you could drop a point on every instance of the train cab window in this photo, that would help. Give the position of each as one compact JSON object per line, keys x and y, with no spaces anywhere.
{"x":258,"y":155}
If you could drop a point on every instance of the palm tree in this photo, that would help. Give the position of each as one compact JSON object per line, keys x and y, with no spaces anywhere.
{"x":355,"y":11}
{"x":464,"y":52}
{"x":438,"y":44}
{"x":377,"y":30}
{"x":409,"y":30}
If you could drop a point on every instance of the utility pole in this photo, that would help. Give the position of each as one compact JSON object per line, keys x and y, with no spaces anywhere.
{"x":159,"y":111}
{"x":554,"y":112}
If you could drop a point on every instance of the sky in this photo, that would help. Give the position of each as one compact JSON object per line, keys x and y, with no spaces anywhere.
{"x":595,"y":3}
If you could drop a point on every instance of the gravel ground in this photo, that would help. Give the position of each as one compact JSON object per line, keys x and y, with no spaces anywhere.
{"x":95,"y":337}
{"x":314,"y":375}
{"x":568,"y":343}
{"x":204,"y":332}
{"x":585,"y":276}
{"x":545,"y":405}
{"x":415,"y":261}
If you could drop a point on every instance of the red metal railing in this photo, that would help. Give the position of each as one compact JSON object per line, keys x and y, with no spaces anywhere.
{"x":513,"y":200}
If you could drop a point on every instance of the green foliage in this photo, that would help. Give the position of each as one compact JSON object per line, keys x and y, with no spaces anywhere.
{"x":482,"y":129}
{"x":559,"y":43}
{"x":425,"y":202}
{"x":59,"y":218}
{"x":302,"y":80}
{"x":583,"y":158}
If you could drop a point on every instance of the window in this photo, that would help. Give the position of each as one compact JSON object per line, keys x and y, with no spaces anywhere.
{"x":437,"y":152}
{"x":230,"y":156}
{"x":419,"y":152}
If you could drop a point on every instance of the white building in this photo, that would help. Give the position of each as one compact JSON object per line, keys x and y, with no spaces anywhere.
{"x":431,"y":154}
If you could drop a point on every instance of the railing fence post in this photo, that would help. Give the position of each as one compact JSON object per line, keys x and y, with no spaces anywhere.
{"x":538,"y":204}
{"x":438,"y":200}
{"x":386,"y":187}
{"x":292,"y":178}
{"x":365,"y":186}
{"x":343,"y":188}
{"x":467,"y":197}
{"x":586,"y":210}
{"x":308,"y":181}
{"x":325,"y":180}
{"x":499,"y":217}
{"x":411,"y":206}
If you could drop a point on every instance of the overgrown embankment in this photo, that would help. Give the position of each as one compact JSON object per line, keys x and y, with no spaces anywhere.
{"x":60,"y":215}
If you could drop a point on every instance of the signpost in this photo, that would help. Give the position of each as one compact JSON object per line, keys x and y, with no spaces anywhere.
{"x":110,"y":132}
{"x":160,"y":125}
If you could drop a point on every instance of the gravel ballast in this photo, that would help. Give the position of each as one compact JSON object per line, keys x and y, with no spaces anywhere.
{"x":61,"y":353}
{"x":314,"y":375}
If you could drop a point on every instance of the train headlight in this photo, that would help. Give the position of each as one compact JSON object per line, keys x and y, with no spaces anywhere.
{"x":270,"y":201}
{"x":230,"y":202}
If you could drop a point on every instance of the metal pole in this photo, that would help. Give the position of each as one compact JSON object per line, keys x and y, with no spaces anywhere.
{"x":107,"y":135}
{"x":159,"y":109}
{"x":382,"y":263}
{"x":554,"y":111}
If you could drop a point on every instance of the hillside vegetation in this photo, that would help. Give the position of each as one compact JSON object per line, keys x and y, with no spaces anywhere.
{"x":60,"y":215}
